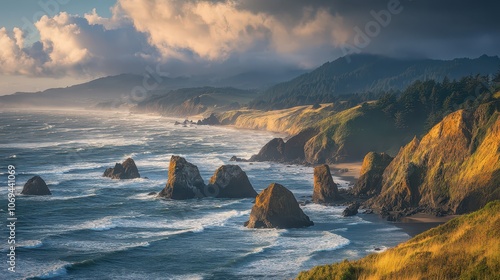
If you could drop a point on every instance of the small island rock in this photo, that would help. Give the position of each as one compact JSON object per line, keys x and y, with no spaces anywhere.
{"x":229,"y":181}
{"x":325,"y":190}
{"x":36,"y":186}
{"x":125,"y":170}
{"x":276,"y":207}
{"x":351,"y":210}
{"x":184,"y":180}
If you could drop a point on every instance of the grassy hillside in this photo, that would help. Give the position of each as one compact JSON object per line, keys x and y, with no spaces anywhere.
{"x":291,"y":120}
{"x":383,"y":125}
{"x":467,"y":247}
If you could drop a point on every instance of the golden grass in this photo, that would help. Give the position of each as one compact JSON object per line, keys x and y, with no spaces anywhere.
{"x":467,"y":247}
{"x":291,"y":120}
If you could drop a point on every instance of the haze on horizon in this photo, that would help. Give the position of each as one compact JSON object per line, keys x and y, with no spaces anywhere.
{"x":54,"y":43}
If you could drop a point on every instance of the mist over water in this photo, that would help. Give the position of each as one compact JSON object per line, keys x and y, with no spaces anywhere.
{"x":93,"y":226}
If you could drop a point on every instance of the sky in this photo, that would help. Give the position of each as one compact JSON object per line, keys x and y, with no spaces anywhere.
{"x":57,"y":43}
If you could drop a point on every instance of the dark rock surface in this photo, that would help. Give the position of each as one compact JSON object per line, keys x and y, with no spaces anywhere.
{"x":325,"y":190}
{"x":351,"y":210}
{"x":125,"y":170}
{"x":230,"y":181}
{"x":276,"y":207}
{"x":237,"y":159}
{"x":184,"y":180}
{"x":211,"y":120}
{"x":274,"y":150}
{"x":36,"y":186}
{"x":370,"y":180}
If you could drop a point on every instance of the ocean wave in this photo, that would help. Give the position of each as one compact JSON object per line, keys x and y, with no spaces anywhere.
{"x":48,"y":271}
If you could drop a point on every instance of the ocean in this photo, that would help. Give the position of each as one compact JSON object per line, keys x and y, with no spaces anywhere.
{"x":93,"y":227}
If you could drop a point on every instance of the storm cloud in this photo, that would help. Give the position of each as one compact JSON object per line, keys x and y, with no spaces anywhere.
{"x":199,"y":37}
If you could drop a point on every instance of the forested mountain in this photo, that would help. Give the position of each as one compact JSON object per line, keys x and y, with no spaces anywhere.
{"x":364,"y":73}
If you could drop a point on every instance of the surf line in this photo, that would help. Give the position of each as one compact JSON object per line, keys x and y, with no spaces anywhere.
{"x":11,"y":219}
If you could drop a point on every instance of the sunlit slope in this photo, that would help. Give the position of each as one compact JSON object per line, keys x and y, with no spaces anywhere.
{"x":467,"y":247}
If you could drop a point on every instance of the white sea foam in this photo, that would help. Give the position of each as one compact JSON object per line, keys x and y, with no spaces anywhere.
{"x":377,"y":249}
{"x":29,"y":244}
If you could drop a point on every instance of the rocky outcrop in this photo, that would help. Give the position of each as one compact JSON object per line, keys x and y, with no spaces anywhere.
{"x":453,"y":169}
{"x":294,"y":147}
{"x":325,"y":190}
{"x":274,"y":150}
{"x":276,"y":207}
{"x":211,"y":120}
{"x":370,"y":180}
{"x":125,"y":170}
{"x":184,"y":180}
{"x":36,"y":186}
{"x":289,"y":151}
{"x":351,"y":210}
{"x":230,"y":181}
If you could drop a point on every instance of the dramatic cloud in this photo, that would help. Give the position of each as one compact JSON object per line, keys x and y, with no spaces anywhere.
{"x":230,"y":36}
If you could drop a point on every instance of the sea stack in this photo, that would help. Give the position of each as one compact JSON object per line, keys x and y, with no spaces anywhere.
{"x":276,"y":207}
{"x":125,"y":170}
{"x":229,"y":181}
{"x":325,"y":190}
{"x":184,"y":180}
{"x":36,"y":186}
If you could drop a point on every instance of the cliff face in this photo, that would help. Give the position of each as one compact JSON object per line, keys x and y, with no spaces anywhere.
{"x":455,"y":168}
{"x":464,"y":248}
{"x":370,"y":179}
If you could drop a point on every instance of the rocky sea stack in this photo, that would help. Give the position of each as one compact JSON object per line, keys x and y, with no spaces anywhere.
{"x":325,"y":190}
{"x":36,"y":186}
{"x":125,"y":170}
{"x":229,"y":181}
{"x":184,"y":180}
{"x":370,"y":180}
{"x":276,"y":207}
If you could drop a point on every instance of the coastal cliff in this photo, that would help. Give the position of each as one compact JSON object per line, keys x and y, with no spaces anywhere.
{"x":453,"y":169}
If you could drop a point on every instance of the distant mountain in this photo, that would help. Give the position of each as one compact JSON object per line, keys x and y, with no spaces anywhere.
{"x":368,"y":73}
{"x":128,"y":89}
{"x":118,"y":89}
{"x":194,"y":101}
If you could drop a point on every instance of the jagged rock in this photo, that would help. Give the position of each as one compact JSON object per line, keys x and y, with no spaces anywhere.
{"x":237,"y":159}
{"x":370,"y":180}
{"x":184,"y":180}
{"x":36,"y":186}
{"x":276,"y":207}
{"x":351,"y":210}
{"x":325,"y":190}
{"x":211,"y":120}
{"x":230,"y":181}
{"x":125,"y":170}
{"x":274,"y":150}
